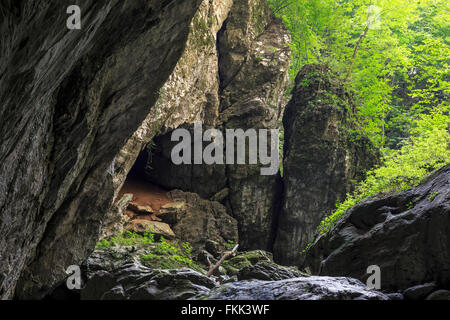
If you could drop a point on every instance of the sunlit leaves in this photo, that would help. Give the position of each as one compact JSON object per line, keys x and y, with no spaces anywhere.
{"x":400,"y":68}
{"x":427,"y":149}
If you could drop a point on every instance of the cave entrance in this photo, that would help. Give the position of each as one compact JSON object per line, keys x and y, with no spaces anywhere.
{"x":146,"y":193}
{"x":154,"y":174}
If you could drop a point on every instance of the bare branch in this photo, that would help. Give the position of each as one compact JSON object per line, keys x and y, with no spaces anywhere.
{"x":224,"y":257}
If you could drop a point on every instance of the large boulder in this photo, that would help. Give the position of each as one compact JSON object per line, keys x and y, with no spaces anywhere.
{"x":321,"y":158}
{"x":70,"y":101}
{"x":302,"y":288}
{"x":419,"y":292}
{"x":118,"y":273}
{"x":201,"y":221}
{"x":267,"y":271}
{"x":134,"y":281}
{"x":406,"y":234}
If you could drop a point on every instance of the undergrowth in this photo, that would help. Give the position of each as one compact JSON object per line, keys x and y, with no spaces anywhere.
{"x":161,"y":254}
{"x":426,"y":150}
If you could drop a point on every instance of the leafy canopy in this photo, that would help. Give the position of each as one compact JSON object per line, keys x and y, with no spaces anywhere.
{"x":393,"y":53}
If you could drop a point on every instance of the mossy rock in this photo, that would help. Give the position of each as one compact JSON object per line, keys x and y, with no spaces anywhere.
{"x":244,"y":259}
{"x":168,"y":261}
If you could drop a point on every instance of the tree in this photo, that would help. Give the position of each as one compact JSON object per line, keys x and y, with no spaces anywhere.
{"x":392,"y":54}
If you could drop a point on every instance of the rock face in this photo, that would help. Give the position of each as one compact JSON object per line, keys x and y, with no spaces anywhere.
{"x":115,"y":219}
{"x":70,"y":101}
{"x":201,"y":221}
{"x":253,"y":79}
{"x":405,"y":234}
{"x":91,"y":99}
{"x":191,"y":92}
{"x":253,"y":62}
{"x":268,"y":272}
{"x":320,"y":158}
{"x":136,"y":282}
{"x":302,"y":288}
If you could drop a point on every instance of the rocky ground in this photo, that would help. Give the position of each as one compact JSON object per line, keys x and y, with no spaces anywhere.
{"x":257,"y":278}
{"x":123,"y":271}
{"x":142,"y":257}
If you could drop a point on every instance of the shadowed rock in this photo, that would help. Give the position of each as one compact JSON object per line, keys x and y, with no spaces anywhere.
{"x":70,"y":99}
{"x":267,"y":271}
{"x":406,"y":234}
{"x":321,"y":158}
{"x":303,"y":288}
{"x":137,"y":282}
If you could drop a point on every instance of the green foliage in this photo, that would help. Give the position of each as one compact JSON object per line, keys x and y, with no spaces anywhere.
{"x":167,"y":255}
{"x":103,"y":244}
{"x":160,"y":254}
{"x":127,"y":239}
{"x":432,"y":196}
{"x":230,"y":245}
{"x":426,"y":150}
{"x":393,"y":53}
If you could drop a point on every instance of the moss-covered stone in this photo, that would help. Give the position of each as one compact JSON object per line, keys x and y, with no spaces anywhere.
{"x":244,"y":259}
{"x":144,"y":249}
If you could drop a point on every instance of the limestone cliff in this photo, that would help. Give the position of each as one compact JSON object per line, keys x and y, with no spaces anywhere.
{"x":252,"y":61}
{"x":79,"y":105}
{"x":191,"y":92}
{"x":70,"y":99}
{"x":321,"y":158}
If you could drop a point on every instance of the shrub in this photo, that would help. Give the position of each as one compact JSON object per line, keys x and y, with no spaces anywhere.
{"x":425,"y":151}
{"x":167,"y":255}
{"x":158,"y":254}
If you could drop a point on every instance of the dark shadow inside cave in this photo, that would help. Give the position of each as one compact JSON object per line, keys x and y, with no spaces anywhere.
{"x":146,"y":192}
{"x":138,"y":169}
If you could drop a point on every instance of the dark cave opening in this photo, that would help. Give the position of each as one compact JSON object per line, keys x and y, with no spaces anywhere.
{"x":146,"y":191}
{"x":138,"y":169}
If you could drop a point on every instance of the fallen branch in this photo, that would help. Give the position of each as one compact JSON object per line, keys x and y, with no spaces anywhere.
{"x":224,"y":257}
